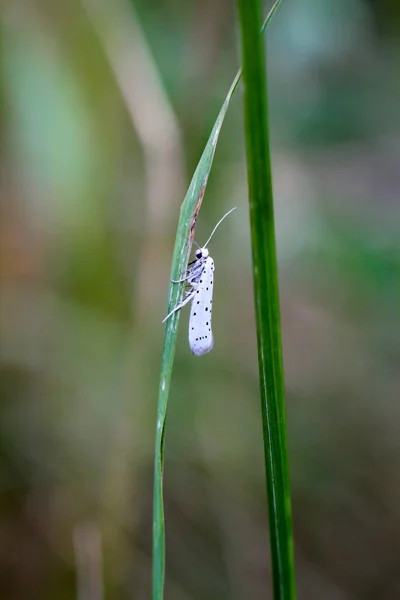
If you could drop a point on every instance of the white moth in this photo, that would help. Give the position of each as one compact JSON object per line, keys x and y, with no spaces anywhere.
{"x":200,"y":279}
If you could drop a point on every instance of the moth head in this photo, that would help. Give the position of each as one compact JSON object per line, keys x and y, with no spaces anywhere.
{"x":201,"y":253}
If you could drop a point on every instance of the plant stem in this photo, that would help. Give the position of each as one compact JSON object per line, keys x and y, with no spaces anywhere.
{"x":266,"y":293}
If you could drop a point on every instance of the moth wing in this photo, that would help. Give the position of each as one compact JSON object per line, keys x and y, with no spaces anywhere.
{"x":201,"y":338}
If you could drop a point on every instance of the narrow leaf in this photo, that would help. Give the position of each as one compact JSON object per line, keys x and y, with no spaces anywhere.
{"x":266,"y":296}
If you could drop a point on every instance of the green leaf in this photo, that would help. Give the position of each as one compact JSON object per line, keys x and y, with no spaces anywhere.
{"x":184,"y":238}
{"x":266,"y":296}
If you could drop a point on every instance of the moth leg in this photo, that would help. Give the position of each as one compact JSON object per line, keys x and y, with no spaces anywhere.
{"x":194,"y":271}
{"x":181,"y":280}
{"x":189,"y":277}
{"x":188,"y":298}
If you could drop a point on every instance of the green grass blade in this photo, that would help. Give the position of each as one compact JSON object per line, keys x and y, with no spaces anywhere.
{"x":266,"y":292}
{"x":183,"y":243}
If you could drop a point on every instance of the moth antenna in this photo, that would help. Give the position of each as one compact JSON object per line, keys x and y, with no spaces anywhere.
{"x":217,"y":225}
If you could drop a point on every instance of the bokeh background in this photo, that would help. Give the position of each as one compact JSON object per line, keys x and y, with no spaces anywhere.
{"x":105,"y":109}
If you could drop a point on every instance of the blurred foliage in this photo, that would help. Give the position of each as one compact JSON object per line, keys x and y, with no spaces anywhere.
{"x":105,"y":109}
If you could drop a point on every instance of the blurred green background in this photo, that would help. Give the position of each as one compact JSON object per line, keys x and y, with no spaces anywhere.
{"x":105,"y":109}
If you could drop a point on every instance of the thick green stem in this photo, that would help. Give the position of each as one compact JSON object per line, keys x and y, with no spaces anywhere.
{"x":266,"y":293}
